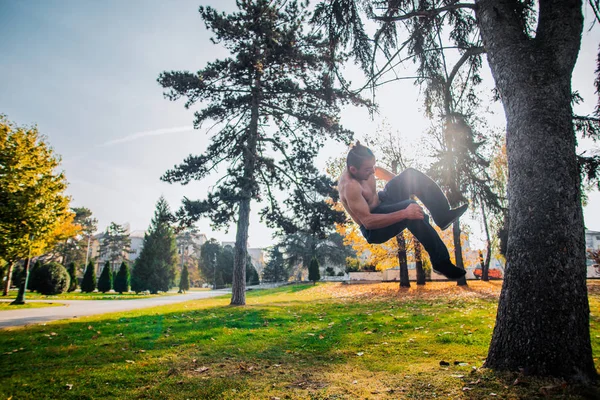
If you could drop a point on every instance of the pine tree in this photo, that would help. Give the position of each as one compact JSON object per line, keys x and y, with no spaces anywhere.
{"x":72,"y":270}
{"x":252,"y":277}
{"x":314,"y":274}
{"x":105,"y":281}
{"x":154,"y":269}
{"x":121,"y":282}
{"x":115,"y":244}
{"x":88,"y":284}
{"x":275,"y":270}
{"x":277,"y":103}
{"x":184,"y":281}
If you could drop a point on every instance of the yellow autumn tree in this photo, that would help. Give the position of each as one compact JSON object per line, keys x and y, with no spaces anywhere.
{"x":34,"y":210}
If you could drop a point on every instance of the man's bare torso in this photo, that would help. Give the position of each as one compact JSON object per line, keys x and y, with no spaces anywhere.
{"x":367,"y":188}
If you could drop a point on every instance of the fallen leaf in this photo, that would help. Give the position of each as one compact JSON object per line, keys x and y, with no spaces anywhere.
{"x":321,"y":337}
{"x":130,"y":361}
{"x":202,"y":369}
{"x":69,"y":386}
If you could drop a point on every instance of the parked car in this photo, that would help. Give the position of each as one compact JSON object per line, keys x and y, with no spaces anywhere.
{"x":492,"y":273}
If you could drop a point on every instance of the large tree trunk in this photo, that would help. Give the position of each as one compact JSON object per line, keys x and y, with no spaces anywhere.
{"x":458,"y":251}
{"x":402,"y":262}
{"x":238,"y":287}
{"x":542,"y":323}
{"x":8,"y":278}
{"x":419,"y":262}
{"x":485,"y":266}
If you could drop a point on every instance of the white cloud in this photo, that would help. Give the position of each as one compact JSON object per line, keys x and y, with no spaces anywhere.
{"x":140,"y":135}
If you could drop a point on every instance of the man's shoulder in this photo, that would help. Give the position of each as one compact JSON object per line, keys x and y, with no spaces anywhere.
{"x":347,"y":184}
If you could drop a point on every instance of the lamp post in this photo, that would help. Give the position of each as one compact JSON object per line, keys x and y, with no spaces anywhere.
{"x":215,"y":271}
{"x":23,"y":288}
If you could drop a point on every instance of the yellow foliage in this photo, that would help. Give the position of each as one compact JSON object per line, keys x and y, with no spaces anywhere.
{"x":385,"y":256}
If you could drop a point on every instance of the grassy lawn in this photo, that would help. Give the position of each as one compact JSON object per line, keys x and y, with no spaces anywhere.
{"x":297,"y":342}
{"x":77,"y":295}
{"x":5,"y":305}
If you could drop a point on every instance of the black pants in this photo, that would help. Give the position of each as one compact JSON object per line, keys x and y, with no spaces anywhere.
{"x":396,"y":196}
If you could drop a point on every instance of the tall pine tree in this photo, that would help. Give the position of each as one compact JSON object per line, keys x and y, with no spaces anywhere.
{"x":276,"y":269}
{"x":184,"y":280}
{"x":88,"y":284}
{"x":121,"y":282}
{"x":276,"y":103}
{"x":115,"y":244}
{"x":154,"y":269}
{"x":105,"y":281}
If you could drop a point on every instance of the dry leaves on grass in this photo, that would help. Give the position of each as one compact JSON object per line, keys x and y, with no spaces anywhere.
{"x":431,"y":291}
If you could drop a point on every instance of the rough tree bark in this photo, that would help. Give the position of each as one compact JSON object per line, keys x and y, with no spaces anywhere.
{"x":458,"y":251}
{"x":419,"y":262}
{"x":238,"y":287}
{"x":402,"y":262}
{"x":542,"y":323}
{"x":485,"y":266}
{"x":7,"y":282}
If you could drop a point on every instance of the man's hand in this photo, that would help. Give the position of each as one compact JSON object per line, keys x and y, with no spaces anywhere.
{"x":414,"y":211}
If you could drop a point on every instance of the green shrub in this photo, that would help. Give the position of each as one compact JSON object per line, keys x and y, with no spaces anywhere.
{"x":53,"y":278}
{"x":105,"y":281}
{"x":184,"y":281}
{"x":313,"y":270}
{"x":88,"y":284}
{"x":121,"y":283}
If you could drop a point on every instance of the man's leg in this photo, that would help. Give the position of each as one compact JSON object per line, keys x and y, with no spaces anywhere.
{"x":423,"y":231}
{"x":433,"y":244}
{"x":413,"y":182}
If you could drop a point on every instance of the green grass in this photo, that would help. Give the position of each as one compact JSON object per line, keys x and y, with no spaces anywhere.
{"x":5,"y":305}
{"x":295,"y":342}
{"x":77,"y":295}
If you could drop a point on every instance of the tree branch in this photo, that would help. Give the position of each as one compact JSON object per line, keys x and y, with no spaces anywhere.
{"x":427,"y":13}
{"x":473,"y":51}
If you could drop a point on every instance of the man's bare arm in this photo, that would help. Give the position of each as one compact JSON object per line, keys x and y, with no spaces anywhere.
{"x":383,"y":174}
{"x":359,"y":207}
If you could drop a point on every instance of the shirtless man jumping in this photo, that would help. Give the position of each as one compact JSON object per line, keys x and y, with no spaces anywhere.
{"x":383,"y":215}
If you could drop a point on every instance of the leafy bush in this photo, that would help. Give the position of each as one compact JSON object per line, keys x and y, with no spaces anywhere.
{"x":33,"y":280}
{"x":53,"y":278}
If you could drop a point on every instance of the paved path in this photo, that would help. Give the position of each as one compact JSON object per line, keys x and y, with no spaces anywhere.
{"x":80,"y":308}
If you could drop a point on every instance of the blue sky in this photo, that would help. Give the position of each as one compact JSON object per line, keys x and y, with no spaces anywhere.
{"x":85,"y":72}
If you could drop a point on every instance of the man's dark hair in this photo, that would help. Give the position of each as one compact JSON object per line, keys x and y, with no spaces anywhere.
{"x":357,"y":155}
